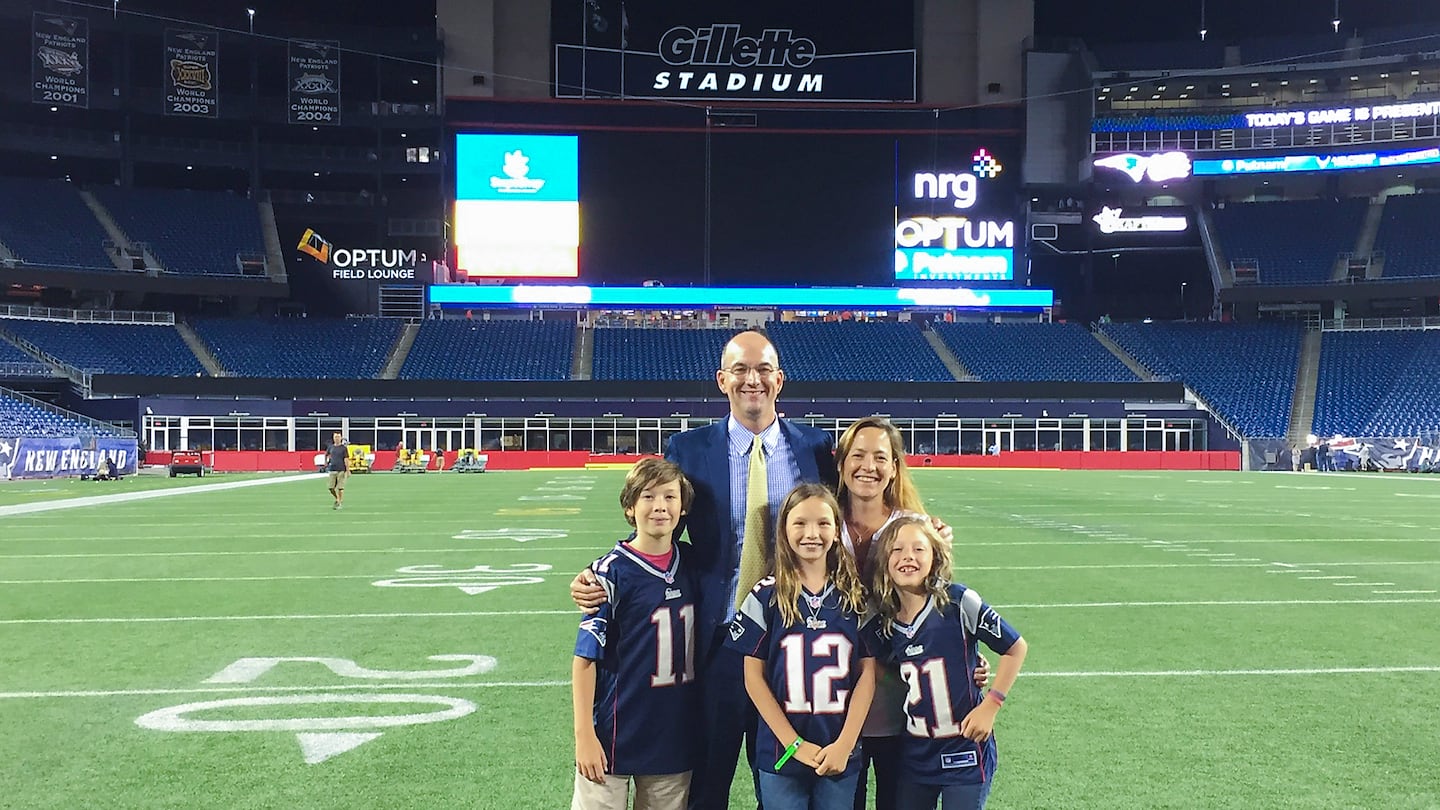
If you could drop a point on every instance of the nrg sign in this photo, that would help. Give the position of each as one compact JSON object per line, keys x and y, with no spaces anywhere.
{"x":934,"y":246}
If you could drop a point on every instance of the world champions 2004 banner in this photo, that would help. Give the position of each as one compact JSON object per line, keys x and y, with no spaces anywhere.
{"x":52,"y":457}
{"x":314,"y":77}
{"x":749,"y":50}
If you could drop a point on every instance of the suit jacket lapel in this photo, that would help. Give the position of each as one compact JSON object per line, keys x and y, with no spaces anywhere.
{"x":801,"y":451}
{"x":717,"y":460}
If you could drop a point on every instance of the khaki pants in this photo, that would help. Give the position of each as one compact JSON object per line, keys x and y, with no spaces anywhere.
{"x":663,"y":792}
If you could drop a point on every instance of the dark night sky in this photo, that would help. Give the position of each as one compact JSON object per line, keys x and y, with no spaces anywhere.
{"x":1227,"y":20}
{"x":1092,"y":20}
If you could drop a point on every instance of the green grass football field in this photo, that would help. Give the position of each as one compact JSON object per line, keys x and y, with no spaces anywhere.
{"x":1197,"y":640}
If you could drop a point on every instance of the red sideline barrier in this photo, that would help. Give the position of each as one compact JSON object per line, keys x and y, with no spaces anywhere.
{"x":304,"y":460}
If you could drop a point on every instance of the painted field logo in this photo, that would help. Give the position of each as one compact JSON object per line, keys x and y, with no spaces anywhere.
{"x":321,"y":734}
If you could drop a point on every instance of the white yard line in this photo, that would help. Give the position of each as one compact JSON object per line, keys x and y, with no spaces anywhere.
{"x":574,"y":613}
{"x":149,"y":494}
{"x":451,"y":685}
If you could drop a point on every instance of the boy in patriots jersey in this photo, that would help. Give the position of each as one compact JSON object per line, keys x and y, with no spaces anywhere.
{"x":634,"y":669}
{"x":806,"y":670}
{"x":930,"y":627}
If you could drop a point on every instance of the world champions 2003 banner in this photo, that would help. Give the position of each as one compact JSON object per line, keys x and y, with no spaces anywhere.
{"x":750,"y":50}
{"x":192,"y":65}
{"x":56,"y":457}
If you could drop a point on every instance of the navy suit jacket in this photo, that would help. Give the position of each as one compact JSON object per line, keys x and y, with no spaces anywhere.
{"x":703,"y":454}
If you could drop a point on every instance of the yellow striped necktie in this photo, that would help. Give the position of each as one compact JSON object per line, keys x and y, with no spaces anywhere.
{"x":757,"y":507}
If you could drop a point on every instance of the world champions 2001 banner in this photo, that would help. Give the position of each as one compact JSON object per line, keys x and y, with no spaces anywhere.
{"x":60,"y":60}
{"x":55,"y":457}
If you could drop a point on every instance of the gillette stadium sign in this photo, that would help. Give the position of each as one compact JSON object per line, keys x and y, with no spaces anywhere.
{"x":723,"y":60}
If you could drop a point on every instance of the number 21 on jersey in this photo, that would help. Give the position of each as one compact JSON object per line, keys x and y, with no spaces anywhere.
{"x":935,"y":676}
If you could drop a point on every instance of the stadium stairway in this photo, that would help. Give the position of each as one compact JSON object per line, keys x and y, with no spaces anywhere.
{"x":1307,"y":376}
{"x":1221,"y":273}
{"x":1365,"y":242}
{"x":201,"y":351}
{"x":123,"y":246}
{"x":952,"y":363}
{"x":275,"y":254}
{"x":583,"y":366}
{"x":399,"y":351}
{"x":1125,"y":357}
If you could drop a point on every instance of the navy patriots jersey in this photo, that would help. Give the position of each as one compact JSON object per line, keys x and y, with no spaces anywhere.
{"x":937,"y":655}
{"x":811,"y":666}
{"x":643,"y":643}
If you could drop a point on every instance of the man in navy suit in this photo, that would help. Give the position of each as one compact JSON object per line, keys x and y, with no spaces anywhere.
{"x":716,"y":459}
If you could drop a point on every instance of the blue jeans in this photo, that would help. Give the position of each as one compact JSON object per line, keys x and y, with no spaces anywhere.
{"x":807,"y":793}
{"x":951,"y":797}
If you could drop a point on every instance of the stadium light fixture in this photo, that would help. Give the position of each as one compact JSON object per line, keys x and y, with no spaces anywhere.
{"x":250,"y":12}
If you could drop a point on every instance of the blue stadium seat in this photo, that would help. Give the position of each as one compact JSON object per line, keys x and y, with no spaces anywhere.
{"x":21,"y":418}
{"x":1408,"y":236}
{"x":328,"y":348}
{"x":110,"y":348}
{"x":1246,"y":372}
{"x":45,"y":222}
{"x":856,"y":350}
{"x":623,"y":353}
{"x":193,"y":232}
{"x":1296,"y":241}
{"x":1012,"y":352}
{"x":1381,"y":383}
{"x":491,"y":350}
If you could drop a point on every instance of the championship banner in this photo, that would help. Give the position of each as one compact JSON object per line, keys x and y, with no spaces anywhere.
{"x":60,"y":60}
{"x":314,"y":82}
{"x":49,"y":457}
{"x":192,"y":64}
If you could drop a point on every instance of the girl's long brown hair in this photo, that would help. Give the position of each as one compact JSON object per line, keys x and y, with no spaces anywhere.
{"x":839,"y":565}
{"x":884,"y":595}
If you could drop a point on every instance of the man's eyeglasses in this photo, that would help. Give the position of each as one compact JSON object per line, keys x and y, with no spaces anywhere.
{"x":763,"y":372}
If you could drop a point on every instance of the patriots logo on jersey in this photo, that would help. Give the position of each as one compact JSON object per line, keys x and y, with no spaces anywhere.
{"x":915,"y":649}
{"x":736,"y":629}
{"x":673,"y":593}
{"x":990,"y":623}
{"x":596,"y":628}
